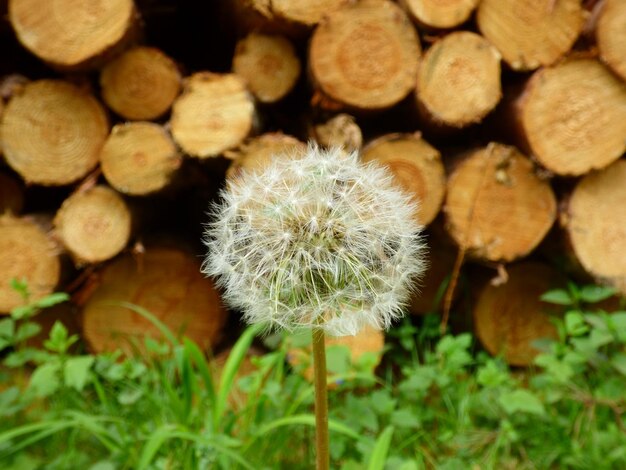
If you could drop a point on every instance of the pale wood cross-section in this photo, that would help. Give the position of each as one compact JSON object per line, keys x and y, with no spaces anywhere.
{"x":509,"y":317}
{"x":440,"y":14}
{"x":71,"y":34}
{"x":611,"y":35}
{"x":268,"y":64}
{"x":458,"y":82}
{"x":416,"y":166}
{"x":573,"y":116}
{"x":496,"y":207}
{"x":215,"y":113}
{"x":141,"y":84}
{"x":28,"y":254}
{"x":139,"y":158}
{"x":595,"y":220}
{"x":528,"y":33}
{"x":256,"y":153}
{"x":365,"y":55}
{"x":52,"y":132}
{"x":165,"y":281}
{"x":93,"y":224}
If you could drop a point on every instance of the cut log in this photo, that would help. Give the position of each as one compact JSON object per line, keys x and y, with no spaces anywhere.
{"x":365,"y":55}
{"x":417,"y":167}
{"x":52,"y":132}
{"x":509,"y":317}
{"x":339,"y":131}
{"x":531,"y":34}
{"x":141,"y":84}
{"x":496,"y":207}
{"x":595,"y":221}
{"x":268,"y":64}
{"x":164,"y":281}
{"x":573,"y":117}
{"x":11,"y":194}
{"x":70,"y":34}
{"x":367,"y":341}
{"x":440,"y":14}
{"x":282,"y":16}
{"x":611,"y":35}
{"x":259,"y":151}
{"x":93,"y":224}
{"x":139,"y":158}
{"x":458,"y":82}
{"x":28,"y":254}
{"x":215,"y":113}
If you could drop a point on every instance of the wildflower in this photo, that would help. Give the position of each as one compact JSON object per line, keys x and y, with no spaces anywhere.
{"x":319,"y":240}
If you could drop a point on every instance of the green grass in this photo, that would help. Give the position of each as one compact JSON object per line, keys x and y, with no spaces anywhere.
{"x":435,"y":402}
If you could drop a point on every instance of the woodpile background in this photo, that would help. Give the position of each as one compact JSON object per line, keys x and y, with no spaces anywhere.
{"x":120,"y":121}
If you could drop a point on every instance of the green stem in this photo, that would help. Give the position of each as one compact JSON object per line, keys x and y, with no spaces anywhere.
{"x":321,"y":400}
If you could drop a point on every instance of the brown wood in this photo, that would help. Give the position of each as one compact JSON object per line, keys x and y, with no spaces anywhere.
{"x":259,"y":151}
{"x":531,"y":34}
{"x":595,"y":221}
{"x":268,"y":64}
{"x":52,"y":132}
{"x":339,"y":131}
{"x":28,"y":254}
{"x":417,"y":167}
{"x":11,"y":194}
{"x":141,"y":84}
{"x":458,"y":82}
{"x":139,"y":158}
{"x":611,"y":35}
{"x":367,"y":341}
{"x":166,"y":282}
{"x":440,"y":14}
{"x":509,"y":317}
{"x":93,"y":224}
{"x":573,"y":116}
{"x":365,"y":55}
{"x":73,"y":34}
{"x":496,"y":207}
{"x":215,"y":113}
{"x":282,"y":16}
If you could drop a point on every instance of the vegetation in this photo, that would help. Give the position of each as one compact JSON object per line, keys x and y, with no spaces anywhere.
{"x":435,"y":401}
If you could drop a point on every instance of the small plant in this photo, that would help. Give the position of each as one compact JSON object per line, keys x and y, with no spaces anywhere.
{"x":319,"y":242}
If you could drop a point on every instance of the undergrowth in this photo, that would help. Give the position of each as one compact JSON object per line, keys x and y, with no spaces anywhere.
{"x":436,"y":402}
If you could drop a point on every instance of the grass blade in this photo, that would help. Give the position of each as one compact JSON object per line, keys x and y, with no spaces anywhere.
{"x":381,"y":449}
{"x":236,"y":357}
{"x":162,"y":327}
{"x":202,"y":367}
{"x":309,"y":420}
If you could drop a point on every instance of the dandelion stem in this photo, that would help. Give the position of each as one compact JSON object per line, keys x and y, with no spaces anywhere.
{"x":321,"y":400}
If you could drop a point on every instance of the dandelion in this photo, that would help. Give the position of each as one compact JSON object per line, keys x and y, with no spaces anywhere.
{"x":316,"y":241}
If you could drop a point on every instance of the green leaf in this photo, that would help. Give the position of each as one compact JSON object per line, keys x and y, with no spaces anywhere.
{"x":7,"y":328}
{"x":23,"y":311}
{"x":592,"y":294}
{"x":619,"y":362}
{"x":338,"y":359}
{"x":521,"y":401}
{"x":58,"y":341}
{"x":129,"y":396}
{"x":575,"y":324}
{"x":76,"y":371}
{"x":103,"y":465}
{"x":405,"y":418}
{"x":27,"y":330}
{"x":52,"y":299}
{"x":557,"y":296}
{"x":45,"y":380}
{"x":381,"y":449}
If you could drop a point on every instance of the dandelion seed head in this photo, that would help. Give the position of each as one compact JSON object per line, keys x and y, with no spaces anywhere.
{"x":319,"y":240}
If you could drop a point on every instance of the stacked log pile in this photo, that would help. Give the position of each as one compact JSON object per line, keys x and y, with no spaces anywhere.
{"x":121,"y":120}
